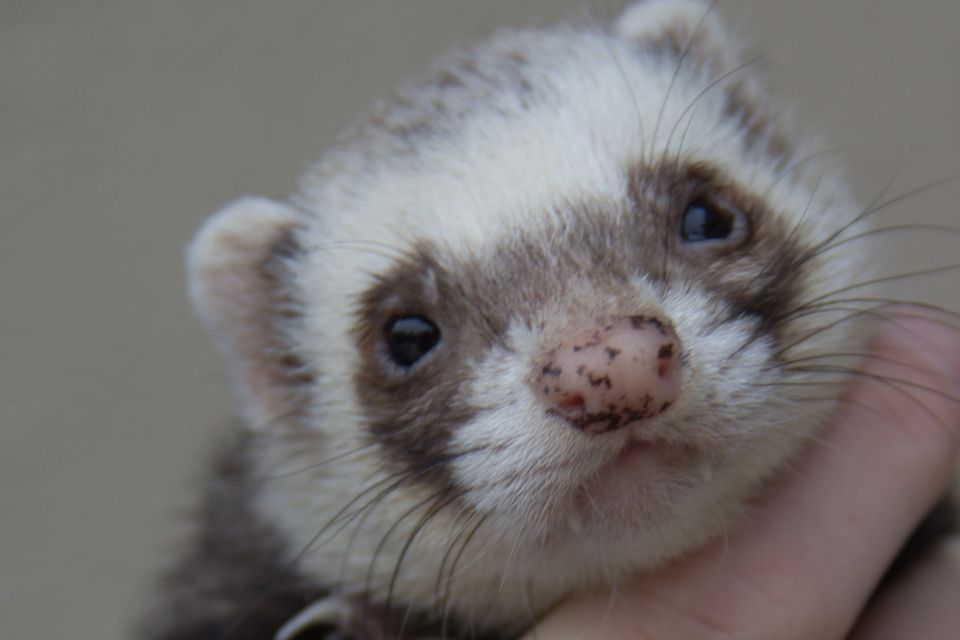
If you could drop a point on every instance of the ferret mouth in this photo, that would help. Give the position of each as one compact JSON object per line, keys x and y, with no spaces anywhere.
{"x":636,"y":475}
{"x":631,"y":450}
{"x":639,"y":446}
{"x":634,"y":488}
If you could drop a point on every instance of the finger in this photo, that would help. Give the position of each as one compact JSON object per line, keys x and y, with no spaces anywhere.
{"x":806,"y":561}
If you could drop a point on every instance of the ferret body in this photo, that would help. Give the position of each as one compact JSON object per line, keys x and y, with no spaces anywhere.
{"x":428,"y":338}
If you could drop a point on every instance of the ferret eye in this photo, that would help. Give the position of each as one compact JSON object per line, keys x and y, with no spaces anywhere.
{"x":708,"y":222}
{"x":409,"y":338}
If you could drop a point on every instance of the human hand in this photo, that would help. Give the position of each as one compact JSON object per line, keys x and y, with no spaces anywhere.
{"x":805,"y":563}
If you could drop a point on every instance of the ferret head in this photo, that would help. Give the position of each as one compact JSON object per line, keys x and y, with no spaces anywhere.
{"x":534,"y":326}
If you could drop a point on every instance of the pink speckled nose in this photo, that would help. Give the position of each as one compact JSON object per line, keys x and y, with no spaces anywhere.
{"x":606,"y":377}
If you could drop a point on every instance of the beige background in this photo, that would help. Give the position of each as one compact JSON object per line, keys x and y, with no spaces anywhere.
{"x":122,"y":123}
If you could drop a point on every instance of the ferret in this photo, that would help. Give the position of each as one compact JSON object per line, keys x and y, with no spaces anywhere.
{"x":530,"y":329}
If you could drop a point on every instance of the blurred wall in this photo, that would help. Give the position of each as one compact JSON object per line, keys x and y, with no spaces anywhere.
{"x":124,"y":122}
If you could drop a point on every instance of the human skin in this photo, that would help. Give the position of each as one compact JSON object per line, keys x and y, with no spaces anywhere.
{"x":807,"y":558}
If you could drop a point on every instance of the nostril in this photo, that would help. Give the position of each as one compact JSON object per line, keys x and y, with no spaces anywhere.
{"x":665,"y":360}
{"x":574,"y":401}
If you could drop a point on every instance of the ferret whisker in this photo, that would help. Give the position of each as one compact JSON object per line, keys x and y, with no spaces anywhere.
{"x":665,"y":243}
{"x":531,"y":471}
{"x":676,"y":72}
{"x":665,"y":266}
{"x":616,"y":596}
{"x":843,"y":400}
{"x":871,"y":208}
{"x":453,"y":569}
{"x":795,"y":383}
{"x":364,"y":511}
{"x":765,"y":269}
{"x":815,"y":437}
{"x":722,"y":316}
{"x":870,"y":233}
{"x":852,"y":315}
{"x":864,"y":212}
{"x":906,"y":195}
{"x":460,"y":524}
{"x":492,"y":445}
{"x":886,"y":379}
{"x":794,"y":465}
{"x":876,"y":206}
{"x":794,"y":403}
{"x":371,"y":566}
{"x":811,"y":438}
{"x":798,"y":164}
{"x":271,"y":476}
{"x":775,"y":260}
{"x":892,"y":278}
{"x":877,"y":312}
{"x":884,"y":303}
{"x":432,"y":500}
{"x":820,"y":414}
{"x":784,"y":424}
{"x":398,"y":479}
{"x":360,"y":516}
{"x":851,"y":354}
{"x":679,"y":154}
{"x":444,"y":499}
{"x":615,"y":58}
{"x":284,"y":571}
{"x":711,"y":85}
{"x":506,"y":565}
{"x":444,"y":584}
{"x":833,"y":307}
{"x":895,"y":384}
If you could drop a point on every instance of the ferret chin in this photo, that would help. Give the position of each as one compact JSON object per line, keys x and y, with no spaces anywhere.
{"x":533,"y":327}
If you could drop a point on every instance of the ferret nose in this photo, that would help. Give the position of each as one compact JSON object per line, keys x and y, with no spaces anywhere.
{"x":608,"y":376}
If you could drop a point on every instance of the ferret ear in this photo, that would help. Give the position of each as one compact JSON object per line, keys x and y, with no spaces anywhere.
{"x":237,"y":268}
{"x":689,"y":28}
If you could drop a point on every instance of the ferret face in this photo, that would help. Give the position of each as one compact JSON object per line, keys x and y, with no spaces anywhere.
{"x":533,"y":327}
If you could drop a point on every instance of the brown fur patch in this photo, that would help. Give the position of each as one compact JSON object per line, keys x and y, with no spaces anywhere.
{"x":761,"y":132}
{"x":282,"y":310}
{"x":761,"y":277}
{"x":236,"y":581}
{"x":698,"y":49}
{"x":446,"y":96}
{"x":412,"y":412}
{"x":235,"y":575}
{"x":701,"y":54}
